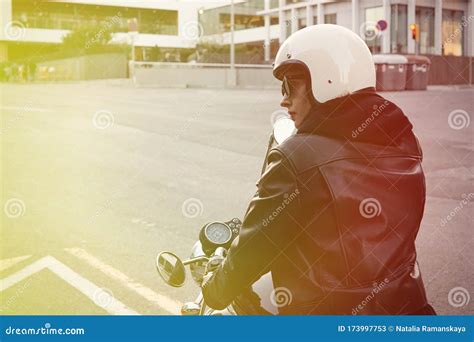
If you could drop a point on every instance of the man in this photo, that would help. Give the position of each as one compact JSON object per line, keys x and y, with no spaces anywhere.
{"x":340,"y":203}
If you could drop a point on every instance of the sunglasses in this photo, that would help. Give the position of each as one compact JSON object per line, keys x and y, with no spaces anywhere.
{"x":288,"y":87}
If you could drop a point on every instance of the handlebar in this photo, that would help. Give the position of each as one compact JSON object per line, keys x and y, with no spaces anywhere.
{"x":216,"y":259}
{"x":218,"y":255}
{"x":194,"y":260}
{"x":220,"y":252}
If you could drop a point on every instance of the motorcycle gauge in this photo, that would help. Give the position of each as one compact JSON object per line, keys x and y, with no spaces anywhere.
{"x":218,"y":233}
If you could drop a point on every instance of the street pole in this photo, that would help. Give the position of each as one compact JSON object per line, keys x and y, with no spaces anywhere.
{"x":232,"y":75}
{"x":133,"y":33}
{"x":232,"y":48}
{"x":133,"y":47}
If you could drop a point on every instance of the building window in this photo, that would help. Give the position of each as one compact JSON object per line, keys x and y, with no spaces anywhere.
{"x":373,"y":40}
{"x":301,"y":23}
{"x":63,"y":16}
{"x":453,"y":33}
{"x":330,"y":18}
{"x":398,"y":29}
{"x":241,"y":21}
{"x":425,"y":21}
{"x":217,"y":20}
{"x":286,"y":24}
{"x":274,"y":20}
{"x":301,"y":14}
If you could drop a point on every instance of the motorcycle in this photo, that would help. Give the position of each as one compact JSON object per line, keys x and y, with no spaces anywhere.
{"x":215,"y":238}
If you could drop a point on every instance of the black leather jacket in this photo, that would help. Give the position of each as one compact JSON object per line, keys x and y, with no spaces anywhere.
{"x":335,"y":216}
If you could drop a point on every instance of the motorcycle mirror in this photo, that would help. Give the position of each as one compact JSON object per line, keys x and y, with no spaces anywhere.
{"x":283,"y":128}
{"x":171,"y":269}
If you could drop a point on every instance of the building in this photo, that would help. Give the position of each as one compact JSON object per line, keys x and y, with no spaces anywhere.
{"x":445,"y":27}
{"x":200,"y":30}
{"x":29,"y":26}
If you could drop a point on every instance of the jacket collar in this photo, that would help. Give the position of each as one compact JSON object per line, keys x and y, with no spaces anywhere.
{"x":363,"y":116}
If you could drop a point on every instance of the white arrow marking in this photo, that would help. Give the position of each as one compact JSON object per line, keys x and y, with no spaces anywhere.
{"x":6,"y":263}
{"x":166,"y":303}
{"x":111,"y":305}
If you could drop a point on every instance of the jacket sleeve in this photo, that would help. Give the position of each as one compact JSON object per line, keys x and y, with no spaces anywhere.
{"x":267,"y":229}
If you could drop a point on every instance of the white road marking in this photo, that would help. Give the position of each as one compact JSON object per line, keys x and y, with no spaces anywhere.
{"x":26,"y":108}
{"x":166,"y":303}
{"x":143,"y":222}
{"x":6,"y":263}
{"x":112,"y":306}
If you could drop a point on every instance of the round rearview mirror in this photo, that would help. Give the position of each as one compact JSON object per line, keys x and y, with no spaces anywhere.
{"x":283,"y":128}
{"x":171,"y":269}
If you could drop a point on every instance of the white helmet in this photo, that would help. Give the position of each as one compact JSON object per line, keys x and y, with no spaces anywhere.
{"x":337,"y":60}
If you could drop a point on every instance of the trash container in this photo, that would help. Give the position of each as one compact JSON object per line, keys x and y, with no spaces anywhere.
{"x":417,"y":72}
{"x":391,"y":72}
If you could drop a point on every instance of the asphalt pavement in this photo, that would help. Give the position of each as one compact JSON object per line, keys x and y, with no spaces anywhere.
{"x":97,"y":177}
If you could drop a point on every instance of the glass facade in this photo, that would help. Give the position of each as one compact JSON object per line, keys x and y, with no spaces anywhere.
{"x":425,"y":21}
{"x":64,"y":16}
{"x":330,"y":18}
{"x":398,"y":29}
{"x":301,"y":23}
{"x":70,"y":16}
{"x":373,"y":40}
{"x":453,"y":26}
{"x":217,"y":20}
{"x":301,"y":14}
